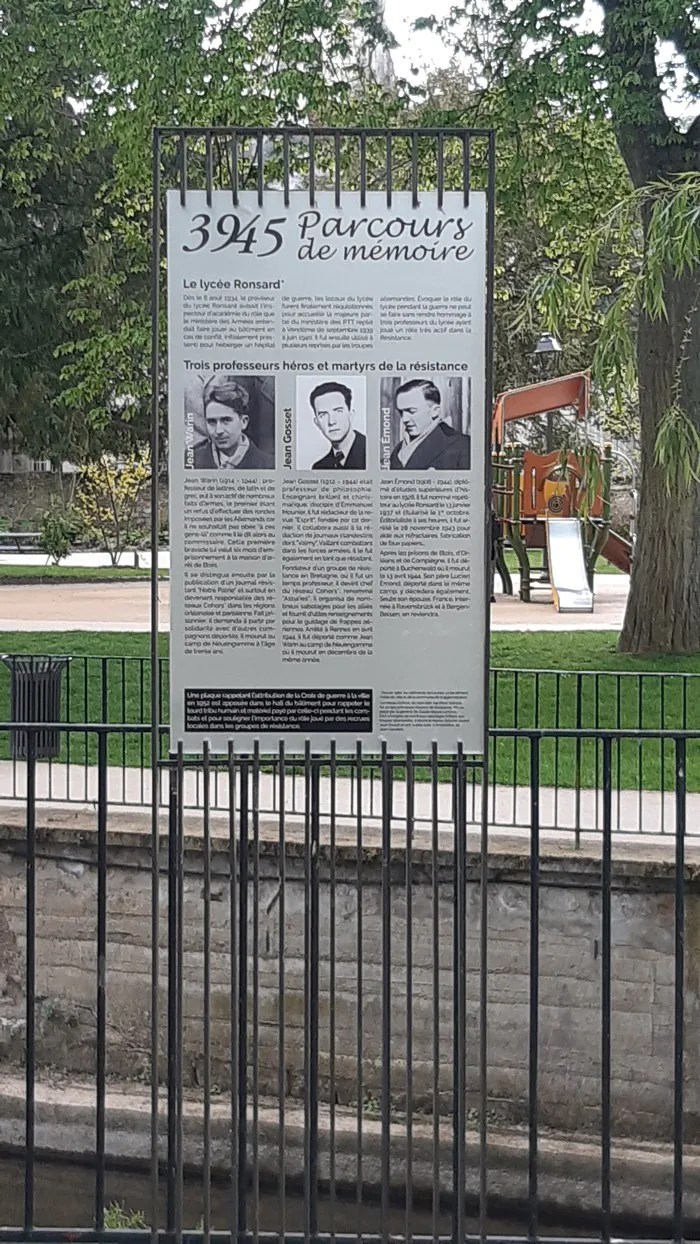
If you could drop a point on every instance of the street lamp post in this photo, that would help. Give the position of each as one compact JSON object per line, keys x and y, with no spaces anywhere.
{"x":546,"y":352}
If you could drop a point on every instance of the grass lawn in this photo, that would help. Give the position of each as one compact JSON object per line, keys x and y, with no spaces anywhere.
{"x":579,"y":680}
{"x":578,"y":650}
{"x":513,"y":565}
{"x":122,"y":694}
{"x":103,"y":574}
{"x":72,"y":574}
{"x":543,"y":680}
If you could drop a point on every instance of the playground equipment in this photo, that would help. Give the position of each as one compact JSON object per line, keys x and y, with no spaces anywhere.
{"x":567,"y":566}
{"x":558,"y":501}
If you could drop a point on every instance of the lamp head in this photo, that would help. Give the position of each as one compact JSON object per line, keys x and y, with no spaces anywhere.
{"x":548,"y":344}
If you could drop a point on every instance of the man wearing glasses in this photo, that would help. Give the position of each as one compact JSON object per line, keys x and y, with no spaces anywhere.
{"x":332,"y":404}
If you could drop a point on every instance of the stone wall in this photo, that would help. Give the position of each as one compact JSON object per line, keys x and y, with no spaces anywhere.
{"x":26,"y":495}
{"x":570,"y":972}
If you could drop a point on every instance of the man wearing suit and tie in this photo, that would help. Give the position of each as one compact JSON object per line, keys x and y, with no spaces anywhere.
{"x":331,"y":403}
{"x":428,"y":443}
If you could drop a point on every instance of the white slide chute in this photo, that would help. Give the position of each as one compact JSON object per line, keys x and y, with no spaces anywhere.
{"x":567,"y":566}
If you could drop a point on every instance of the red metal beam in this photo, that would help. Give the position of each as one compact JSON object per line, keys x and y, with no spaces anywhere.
{"x":537,"y":399}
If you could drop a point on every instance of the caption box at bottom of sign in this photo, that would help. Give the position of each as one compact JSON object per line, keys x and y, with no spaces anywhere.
{"x":266,"y":710}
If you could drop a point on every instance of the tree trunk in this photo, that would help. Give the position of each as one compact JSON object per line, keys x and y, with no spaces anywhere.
{"x":663,"y":610}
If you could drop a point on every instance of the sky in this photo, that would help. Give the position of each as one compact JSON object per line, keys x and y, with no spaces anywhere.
{"x":423,"y":49}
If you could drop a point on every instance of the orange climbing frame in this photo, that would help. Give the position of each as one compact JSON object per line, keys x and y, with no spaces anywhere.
{"x":536,"y":399}
{"x":543,"y":492}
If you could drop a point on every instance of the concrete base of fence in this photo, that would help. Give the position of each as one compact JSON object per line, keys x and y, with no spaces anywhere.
{"x":569,"y":1168}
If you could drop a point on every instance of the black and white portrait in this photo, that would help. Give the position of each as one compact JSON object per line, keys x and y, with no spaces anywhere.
{"x":229,"y":422}
{"x":331,"y":423}
{"x":426,"y":423}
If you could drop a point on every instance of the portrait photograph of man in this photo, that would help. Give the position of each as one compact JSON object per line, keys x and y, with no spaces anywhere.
{"x":230,"y":422}
{"x":427,"y":423}
{"x":331,"y":424}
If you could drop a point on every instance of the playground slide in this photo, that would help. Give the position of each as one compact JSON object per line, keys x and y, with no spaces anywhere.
{"x":567,"y":566}
{"x":618,"y":552}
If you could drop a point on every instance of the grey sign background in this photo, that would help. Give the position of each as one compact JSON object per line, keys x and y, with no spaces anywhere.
{"x":440,"y":655}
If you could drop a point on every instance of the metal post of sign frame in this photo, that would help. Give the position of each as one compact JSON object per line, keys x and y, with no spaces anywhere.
{"x":237,"y":159}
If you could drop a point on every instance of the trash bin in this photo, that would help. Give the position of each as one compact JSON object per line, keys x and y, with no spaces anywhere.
{"x":35,"y":696}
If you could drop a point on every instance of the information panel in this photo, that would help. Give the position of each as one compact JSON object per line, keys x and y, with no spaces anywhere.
{"x":327,"y":440}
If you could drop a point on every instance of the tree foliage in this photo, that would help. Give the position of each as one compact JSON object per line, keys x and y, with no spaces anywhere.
{"x":610,"y":73}
{"x":622,"y":63}
{"x":75,"y":178}
{"x":46,"y":204}
{"x":559,"y":172}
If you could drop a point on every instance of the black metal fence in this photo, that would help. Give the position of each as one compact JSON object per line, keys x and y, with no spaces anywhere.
{"x":314,"y":1027}
{"x":117,"y":690}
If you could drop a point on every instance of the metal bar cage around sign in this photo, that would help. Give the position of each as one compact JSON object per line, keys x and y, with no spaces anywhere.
{"x":301,"y":162}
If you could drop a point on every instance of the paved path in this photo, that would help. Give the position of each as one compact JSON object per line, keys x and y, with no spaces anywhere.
{"x":126,"y":607}
{"x":88,"y":557}
{"x":81,"y":607}
{"x":611,"y":591}
{"x":647,"y":813}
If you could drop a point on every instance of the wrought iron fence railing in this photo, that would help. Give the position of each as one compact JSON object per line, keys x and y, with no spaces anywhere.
{"x":348,"y":1025}
{"x":117,"y":690}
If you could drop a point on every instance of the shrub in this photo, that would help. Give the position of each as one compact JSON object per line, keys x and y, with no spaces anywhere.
{"x":59,"y":527}
{"x":108,"y":498}
{"x":118,"y":1218}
